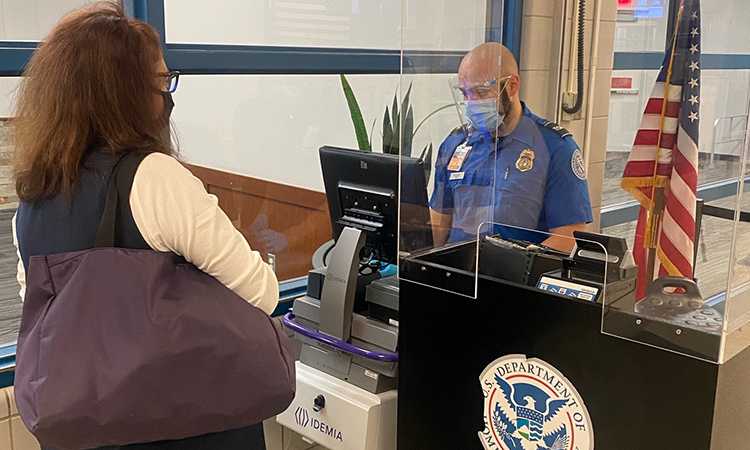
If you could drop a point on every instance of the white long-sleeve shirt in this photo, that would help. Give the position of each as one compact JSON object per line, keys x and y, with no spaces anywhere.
{"x":174,"y":213}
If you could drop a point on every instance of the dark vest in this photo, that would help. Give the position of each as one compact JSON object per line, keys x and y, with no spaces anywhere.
{"x":46,"y":227}
{"x":57,"y":225}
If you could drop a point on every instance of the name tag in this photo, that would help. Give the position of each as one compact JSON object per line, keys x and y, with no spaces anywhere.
{"x":458,"y":158}
{"x":457,"y":176}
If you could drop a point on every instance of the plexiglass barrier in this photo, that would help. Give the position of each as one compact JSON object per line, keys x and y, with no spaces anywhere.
{"x":672,"y":311}
{"x":294,"y":159}
{"x":448,"y":119}
{"x":578,"y":266}
{"x":690,"y":238}
{"x":737,"y":308}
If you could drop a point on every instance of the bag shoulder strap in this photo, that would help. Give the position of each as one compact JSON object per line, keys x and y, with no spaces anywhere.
{"x":118,"y":196}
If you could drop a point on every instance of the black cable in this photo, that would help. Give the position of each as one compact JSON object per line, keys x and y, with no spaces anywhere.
{"x":325,"y":254}
{"x":579,"y":96}
{"x":368,"y":264}
{"x":374,"y":262}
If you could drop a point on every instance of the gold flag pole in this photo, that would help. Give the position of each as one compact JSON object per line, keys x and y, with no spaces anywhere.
{"x":659,"y":183}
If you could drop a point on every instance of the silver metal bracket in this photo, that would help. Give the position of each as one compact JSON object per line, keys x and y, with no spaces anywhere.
{"x":339,"y":288}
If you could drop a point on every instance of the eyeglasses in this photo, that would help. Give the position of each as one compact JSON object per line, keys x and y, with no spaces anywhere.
{"x":172,"y":78}
{"x":481,"y":90}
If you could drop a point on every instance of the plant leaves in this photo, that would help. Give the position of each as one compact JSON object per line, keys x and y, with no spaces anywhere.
{"x":407,"y":133}
{"x":426,"y":157}
{"x":356,"y":113}
{"x":372,"y":130}
{"x":394,"y":112}
{"x":442,"y":108}
{"x":404,"y":138}
{"x":423,"y":155}
{"x":405,"y":103}
{"x":388,"y":134}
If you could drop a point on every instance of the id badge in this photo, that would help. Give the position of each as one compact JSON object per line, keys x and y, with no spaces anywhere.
{"x":459,"y":156}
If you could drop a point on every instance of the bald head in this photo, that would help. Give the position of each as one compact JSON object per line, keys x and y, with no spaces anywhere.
{"x":487,"y":61}
{"x":490,"y":62}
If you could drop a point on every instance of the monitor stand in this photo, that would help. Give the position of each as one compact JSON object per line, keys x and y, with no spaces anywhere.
{"x":339,"y":288}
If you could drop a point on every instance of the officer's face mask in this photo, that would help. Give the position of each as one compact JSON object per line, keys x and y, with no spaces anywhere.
{"x":484,"y":115}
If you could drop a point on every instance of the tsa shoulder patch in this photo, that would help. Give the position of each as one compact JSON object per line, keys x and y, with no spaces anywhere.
{"x":576,"y":163}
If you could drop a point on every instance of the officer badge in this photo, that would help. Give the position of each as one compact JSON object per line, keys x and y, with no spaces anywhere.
{"x":525,"y":162}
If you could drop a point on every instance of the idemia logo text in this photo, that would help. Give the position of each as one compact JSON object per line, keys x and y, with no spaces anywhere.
{"x":303,"y":419}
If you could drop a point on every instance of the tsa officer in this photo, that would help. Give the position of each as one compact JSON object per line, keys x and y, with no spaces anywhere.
{"x":507,"y":165}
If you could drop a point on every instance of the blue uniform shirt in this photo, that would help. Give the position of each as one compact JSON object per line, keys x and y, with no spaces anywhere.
{"x":532,"y":178}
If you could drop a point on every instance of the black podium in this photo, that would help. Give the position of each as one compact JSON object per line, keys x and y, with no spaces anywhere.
{"x":638,"y":397}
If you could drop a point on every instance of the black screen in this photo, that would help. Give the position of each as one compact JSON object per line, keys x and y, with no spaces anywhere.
{"x":363,"y":192}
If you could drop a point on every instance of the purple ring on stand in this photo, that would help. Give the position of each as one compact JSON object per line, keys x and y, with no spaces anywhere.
{"x":337,"y":343}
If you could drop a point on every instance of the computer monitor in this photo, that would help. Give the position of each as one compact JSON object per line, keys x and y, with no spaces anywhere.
{"x":363,"y":192}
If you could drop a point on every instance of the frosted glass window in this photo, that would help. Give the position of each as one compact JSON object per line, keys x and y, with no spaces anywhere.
{"x":323,"y":23}
{"x":32,"y":20}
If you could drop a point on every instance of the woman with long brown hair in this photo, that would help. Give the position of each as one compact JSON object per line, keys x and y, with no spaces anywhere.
{"x":96,"y":89}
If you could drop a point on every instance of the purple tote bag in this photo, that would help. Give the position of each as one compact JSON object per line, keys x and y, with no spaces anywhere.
{"x":121,"y":346}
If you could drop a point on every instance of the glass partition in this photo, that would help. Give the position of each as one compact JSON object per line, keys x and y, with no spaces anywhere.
{"x":500,"y":179}
{"x":575,"y":267}
{"x":254,"y":141}
{"x":673,"y":185}
{"x":737,"y":308}
{"x":267,"y":145}
{"x":677,"y":185}
{"x":580,"y":267}
{"x":640,"y":42}
{"x":446,"y":124}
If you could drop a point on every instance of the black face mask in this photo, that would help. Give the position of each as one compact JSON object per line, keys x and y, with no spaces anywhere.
{"x":168,"y":106}
{"x":166,"y":113}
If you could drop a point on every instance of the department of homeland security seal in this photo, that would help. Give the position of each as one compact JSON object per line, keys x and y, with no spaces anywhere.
{"x":530,"y":405}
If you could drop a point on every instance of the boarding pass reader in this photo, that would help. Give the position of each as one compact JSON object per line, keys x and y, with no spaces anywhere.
{"x":348,"y":366}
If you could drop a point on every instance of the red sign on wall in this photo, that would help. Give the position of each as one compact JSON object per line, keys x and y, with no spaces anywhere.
{"x":622,"y":83}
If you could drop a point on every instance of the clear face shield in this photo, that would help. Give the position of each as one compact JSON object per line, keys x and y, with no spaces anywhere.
{"x":481,"y":104}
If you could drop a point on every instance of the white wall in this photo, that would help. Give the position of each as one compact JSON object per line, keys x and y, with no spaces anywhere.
{"x":31,"y":20}
{"x":724,"y":93}
{"x":429,"y":24}
{"x":8,"y":89}
{"x":626,"y":108}
{"x":725,"y":26}
{"x":643,"y":34}
{"x":271,"y":126}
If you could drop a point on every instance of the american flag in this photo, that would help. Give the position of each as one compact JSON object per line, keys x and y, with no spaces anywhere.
{"x":664,"y":158}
